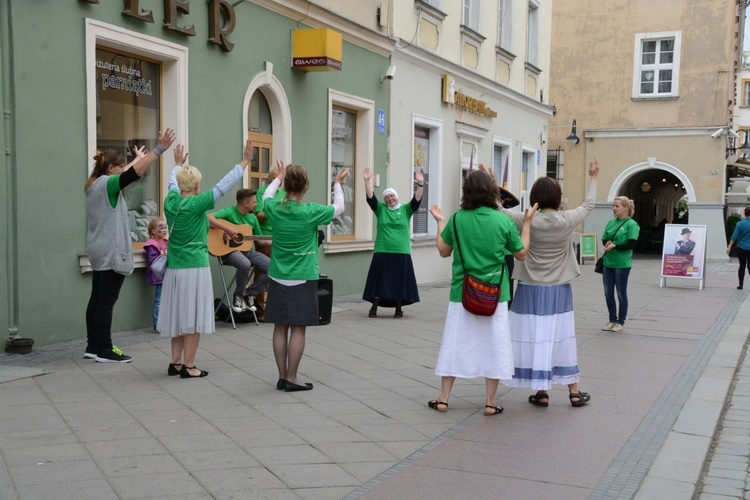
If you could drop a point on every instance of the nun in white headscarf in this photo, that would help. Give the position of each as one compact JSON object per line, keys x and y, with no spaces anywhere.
{"x":391,"y":281}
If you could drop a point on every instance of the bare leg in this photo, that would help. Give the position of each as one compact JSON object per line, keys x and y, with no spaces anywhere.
{"x":295,"y":351}
{"x":190,"y":343}
{"x":491,"y":384}
{"x":280,"y":348}
{"x":446,"y":385}
{"x":177,"y":348}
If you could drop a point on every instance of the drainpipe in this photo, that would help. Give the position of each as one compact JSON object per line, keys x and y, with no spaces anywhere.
{"x":9,"y":139}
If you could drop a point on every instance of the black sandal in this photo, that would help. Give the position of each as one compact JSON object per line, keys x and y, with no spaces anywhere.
{"x":583,"y":398}
{"x":539,"y":399}
{"x":496,"y":409}
{"x":172,"y":370}
{"x":184,"y":373}
{"x":434,"y":404}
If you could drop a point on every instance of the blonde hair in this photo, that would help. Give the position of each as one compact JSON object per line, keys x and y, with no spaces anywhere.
{"x":626,"y":202}
{"x":187,"y":177}
{"x":153,"y":225}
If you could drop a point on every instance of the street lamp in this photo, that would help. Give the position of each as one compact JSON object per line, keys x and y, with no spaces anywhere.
{"x":573,"y":138}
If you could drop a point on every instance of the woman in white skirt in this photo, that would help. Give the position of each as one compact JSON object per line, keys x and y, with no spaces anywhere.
{"x":477,"y":346}
{"x":187,"y":308}
{"x":542,"y":324}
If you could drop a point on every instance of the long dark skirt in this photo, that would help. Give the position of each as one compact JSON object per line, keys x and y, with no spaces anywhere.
{"x":390,"y":279}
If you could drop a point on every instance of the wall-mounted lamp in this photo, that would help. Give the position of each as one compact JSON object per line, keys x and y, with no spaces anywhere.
{"x":745,"y":148}
{"x":573,"y":138}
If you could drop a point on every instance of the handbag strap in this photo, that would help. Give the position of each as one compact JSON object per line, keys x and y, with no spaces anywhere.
{"x":460,"y":256}
{"x":175,"y":215}
{"x":618,"y":228}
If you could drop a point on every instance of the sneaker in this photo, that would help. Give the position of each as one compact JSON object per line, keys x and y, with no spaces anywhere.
{"x":114,"y":355}
{"x":617,"y":327}
{"x":608,"y":327}
{"x":238,"y":305}
{"x":250,"y":302}
{"x":89,"y":353}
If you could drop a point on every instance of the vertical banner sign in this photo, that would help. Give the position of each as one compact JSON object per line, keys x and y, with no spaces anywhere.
{"x":381,"y":121}
{"x":421,"y":162}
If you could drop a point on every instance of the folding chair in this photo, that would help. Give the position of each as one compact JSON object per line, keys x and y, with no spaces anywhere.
{"x":226,"y":293}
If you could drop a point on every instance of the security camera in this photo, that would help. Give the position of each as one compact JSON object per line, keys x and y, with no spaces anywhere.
{"x":389,"y":74}
{"x":716,"y":134}
{"x":733,"y":134}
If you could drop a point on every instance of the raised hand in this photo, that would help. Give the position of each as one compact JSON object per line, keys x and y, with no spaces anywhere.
{"x":489,"y":172}
{"x":140,"y":152}
{"x":594,"y":168}
{"x":180,"y":156}
{"x":419,"y":176}
{"x":367,"y":174}
{"x":529,"y":213}
{"x":247,"y":152}
{"x":167,"y":138}
{"x":341,"y":175}
{"x":437,"y":213}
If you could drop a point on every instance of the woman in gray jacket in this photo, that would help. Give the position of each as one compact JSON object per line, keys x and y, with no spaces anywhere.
{"x":542,"y":325}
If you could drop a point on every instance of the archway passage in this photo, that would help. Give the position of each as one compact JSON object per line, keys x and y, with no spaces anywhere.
{"x":657,"y":194}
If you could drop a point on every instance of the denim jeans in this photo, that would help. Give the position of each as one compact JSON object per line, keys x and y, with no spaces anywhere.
{"x":105,"y":289}
{"x":157,"y":302}
{"x":616,"y":279}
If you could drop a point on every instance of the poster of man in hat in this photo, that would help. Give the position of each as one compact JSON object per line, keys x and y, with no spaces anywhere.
{"x":683,"y":252}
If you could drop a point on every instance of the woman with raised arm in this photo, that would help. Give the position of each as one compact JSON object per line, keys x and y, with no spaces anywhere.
{"x":390,"y":281}
{"x":542,"y":324}
{"x":292,"y":303}
{"x":187,"y":303}
{"x":108,"y":242}
{"x":477,"y":346}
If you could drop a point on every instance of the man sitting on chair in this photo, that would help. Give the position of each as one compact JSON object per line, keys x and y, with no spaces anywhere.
{"x":242,"y":213}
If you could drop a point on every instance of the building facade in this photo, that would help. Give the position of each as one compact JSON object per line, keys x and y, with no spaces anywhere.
{"x":650,"y":87}
{"x":83,"y":75}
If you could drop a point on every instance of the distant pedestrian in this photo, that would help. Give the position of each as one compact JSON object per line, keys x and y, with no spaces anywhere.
{"x":390,"y":280}
{"x":742,"y":242}
{"x":477,"y":346}
{"x":619,"y":239}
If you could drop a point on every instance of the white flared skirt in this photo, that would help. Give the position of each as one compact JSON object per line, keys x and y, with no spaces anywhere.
{"x":475,"y":346}
{"x":543,"y":334}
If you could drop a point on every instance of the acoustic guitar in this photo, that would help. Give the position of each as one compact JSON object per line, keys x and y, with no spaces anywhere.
{"x":220,"y":244}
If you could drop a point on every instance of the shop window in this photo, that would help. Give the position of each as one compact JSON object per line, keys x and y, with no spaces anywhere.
{"x":128,"y":116}
{"x":351,"y":132}
{"x":125,"y":106}
{"x":528,"y":175}
{"x":343,"y":155}
{"x":501,"y":164}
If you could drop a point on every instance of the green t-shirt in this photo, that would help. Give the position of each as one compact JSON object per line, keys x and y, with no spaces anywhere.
{"x":233,"y":215}
{"x":486,"y":236}
{"x":188,"y":239}
{"x":393,"y":229}
{"x":620,"y":259}
{"x":113,"y":189}
{"x":265,"y":227}
{"x":295,"y":237}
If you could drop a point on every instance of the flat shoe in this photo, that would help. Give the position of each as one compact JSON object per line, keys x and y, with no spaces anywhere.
{"x":435,"y":405}
{"x":372,"y":314}
{"x":184,"y":373}
{"x":292,"y":387}
{"x":539,"y":399}
{"x":495,"y":410}
{"x":399,"y":314}
{"x":172,"y":371}
{"x":583,"y":398}
{"x":280,"y":384}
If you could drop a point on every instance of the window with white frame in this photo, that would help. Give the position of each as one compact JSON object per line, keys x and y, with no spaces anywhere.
{"x":501,"y":163}
{"x":656,"y":65}
{"x":505,"y":25}
{"x":351,"y":145}
{"x":528,"y":174}
{"x":434,"y":3}
{"x":126,"y":107}
{"x":471,"y":14}
{"x":745,"y":93}
{"x":532,"y":34}
{"x":427,"y":158}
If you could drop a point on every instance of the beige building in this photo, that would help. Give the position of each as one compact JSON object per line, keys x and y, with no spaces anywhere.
{"x":468,"y":83}
{"x":651,"y":87}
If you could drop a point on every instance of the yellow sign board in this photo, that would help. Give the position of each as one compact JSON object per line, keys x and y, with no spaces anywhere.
{"x":316,"y":50}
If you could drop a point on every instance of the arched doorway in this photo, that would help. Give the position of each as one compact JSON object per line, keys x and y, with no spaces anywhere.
{"x":659,"y":191}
